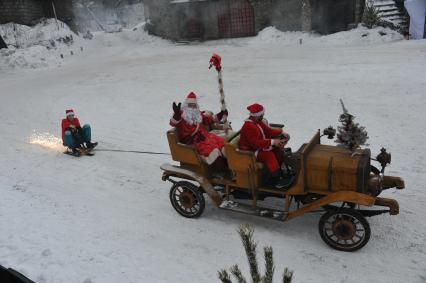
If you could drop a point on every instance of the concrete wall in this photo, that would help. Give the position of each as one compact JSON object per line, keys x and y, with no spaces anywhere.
{"x":283,"y":14}
{"x":20,"y":11}
{"x":170,"y":20}
{"x":327,"y":16}
{"x":162,"y":22}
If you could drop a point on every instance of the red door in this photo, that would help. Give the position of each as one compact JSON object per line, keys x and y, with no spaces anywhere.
{"x":236,"y":18}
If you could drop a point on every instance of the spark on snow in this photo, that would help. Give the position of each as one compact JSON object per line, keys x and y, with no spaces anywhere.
{"x":46,"y":140}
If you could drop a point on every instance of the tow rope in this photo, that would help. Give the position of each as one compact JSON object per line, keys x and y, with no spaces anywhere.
{"x":134,"y":151}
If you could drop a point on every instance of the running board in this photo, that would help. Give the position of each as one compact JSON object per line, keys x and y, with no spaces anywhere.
{"x":258,"y":211}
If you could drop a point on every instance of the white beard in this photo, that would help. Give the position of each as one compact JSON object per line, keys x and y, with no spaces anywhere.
{"x":192,"y":116}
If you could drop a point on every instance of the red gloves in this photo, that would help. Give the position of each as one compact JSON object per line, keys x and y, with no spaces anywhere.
{"x":216,"y":61}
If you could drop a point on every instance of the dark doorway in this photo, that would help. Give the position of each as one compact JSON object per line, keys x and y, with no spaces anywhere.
{"x":2,"y":43}
{"x":329,"y":16}
{"x":236,"y":18}
{"x":195,"y":29}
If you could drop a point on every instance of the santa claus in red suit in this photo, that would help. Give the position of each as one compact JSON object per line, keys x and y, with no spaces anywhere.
{"x":267,"y":143}
{"x":191,"y":125}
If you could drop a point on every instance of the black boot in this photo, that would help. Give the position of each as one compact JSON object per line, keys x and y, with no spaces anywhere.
{"x":91,"y":145}
{"x":220,"y":169}
{"x":278,"y":182}
{"x":75,"y":152}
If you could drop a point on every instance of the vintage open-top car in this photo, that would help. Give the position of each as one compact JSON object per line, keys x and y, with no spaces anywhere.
{"x":334,"y":180}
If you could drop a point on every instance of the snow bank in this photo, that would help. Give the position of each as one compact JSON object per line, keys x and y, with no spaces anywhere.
{"x":362,"y":35}
{"x":358,"y":36}
{"x":34,"y":47}
{"x":46,"y":33}
{"x":273,"y":35}
{"x":42,"y":45}
{"x":136,"y":35}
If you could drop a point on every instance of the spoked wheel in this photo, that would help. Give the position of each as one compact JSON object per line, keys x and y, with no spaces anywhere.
{"x":187,"y":199}
{"x":344,"y":230}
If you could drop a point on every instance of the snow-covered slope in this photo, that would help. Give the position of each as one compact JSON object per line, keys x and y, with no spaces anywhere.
{"x":38,"y":46}
{"x":108,"y":218}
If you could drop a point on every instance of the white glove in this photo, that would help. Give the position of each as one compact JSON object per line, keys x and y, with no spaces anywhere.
{"x":276,"y":142}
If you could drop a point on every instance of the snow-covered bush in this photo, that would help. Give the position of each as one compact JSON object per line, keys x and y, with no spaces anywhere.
{"x":34,"y":47}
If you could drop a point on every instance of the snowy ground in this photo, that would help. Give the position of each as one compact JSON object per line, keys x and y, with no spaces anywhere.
{"x":108,"y":218}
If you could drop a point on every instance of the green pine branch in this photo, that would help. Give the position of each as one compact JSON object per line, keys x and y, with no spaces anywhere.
{"x":224,"y":276}
{"x":246,"y":234}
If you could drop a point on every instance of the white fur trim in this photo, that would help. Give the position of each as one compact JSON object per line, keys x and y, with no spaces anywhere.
{"x":174,"y":122}
{"x":258,"y":114}
{"x":70,"y":113}
{"x":212,"y":156}
{"x":196,"y":129}
{"x":263,"y":135}
{"x":261,"y":130}
{"x":190,"y":100}
{"x":264,"y":150}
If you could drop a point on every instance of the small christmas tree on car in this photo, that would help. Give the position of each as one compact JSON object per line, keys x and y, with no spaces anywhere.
{"x":350,"y":134}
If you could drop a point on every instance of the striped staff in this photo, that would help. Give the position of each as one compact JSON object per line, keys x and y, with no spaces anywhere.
{"x":216,"y":61}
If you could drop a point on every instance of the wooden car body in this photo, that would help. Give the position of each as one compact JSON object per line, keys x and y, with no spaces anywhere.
{"x":327,"y":177}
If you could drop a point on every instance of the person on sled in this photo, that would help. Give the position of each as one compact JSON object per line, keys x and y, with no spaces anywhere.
{"x":267,"y":144}
{"x":73,"y":135}
{"x":190,"y":123}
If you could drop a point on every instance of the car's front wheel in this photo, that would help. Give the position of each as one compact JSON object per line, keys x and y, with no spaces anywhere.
{"x":344,"y":230}
{"x":187,"y":199}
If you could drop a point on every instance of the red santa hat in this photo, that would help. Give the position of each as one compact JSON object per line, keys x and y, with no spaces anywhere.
{"x":69,"y":112}
{"x":191,"y":98}
{"x":256,"y":110}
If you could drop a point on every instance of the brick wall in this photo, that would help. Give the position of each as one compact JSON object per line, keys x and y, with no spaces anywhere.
{"x":20,"y":11}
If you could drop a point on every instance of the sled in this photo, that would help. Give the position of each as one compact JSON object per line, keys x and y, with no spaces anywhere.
{"x":334,"y":181}
{"x":84,"y":151}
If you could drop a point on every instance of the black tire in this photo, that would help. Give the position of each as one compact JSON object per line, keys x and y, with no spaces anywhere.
{"x":187,"y":199}
{"x":344,"y":230}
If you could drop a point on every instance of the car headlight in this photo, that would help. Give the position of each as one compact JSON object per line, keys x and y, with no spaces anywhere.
{"x":375,"y":183}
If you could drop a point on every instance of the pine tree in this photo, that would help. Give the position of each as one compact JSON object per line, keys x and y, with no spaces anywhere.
{"x":287,"y":275}
{"x":371,"y":17}
{"x":350,"y":135}
{"x":246,"y":234}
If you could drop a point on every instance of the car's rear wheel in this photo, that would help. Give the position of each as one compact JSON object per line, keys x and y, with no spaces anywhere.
{"x":344,"y":230}
{"x":187,"y":199}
